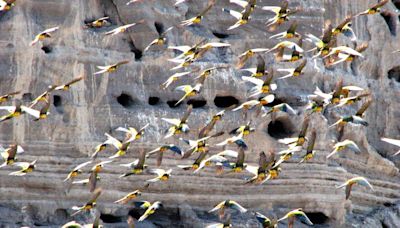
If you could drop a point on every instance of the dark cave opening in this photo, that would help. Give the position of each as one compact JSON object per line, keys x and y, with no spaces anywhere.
{"x":388,"y":204}
{"x":138,"y":53}
{"x":225,"y":101}
{"x":125,"y":100}
{"x":60,"y":214}
{"x":108,"y":218}
{"x":196,"y":103}
{"x":280,"y":128}
{"x":220,"y":35}
{"x":394,"y":73}
{"x":172,"y":103}
{"x":391,"y":21}
{"x":134,"y":213}
{"x":154,"y":100}
{"x":27,"y":97}
{"x":47,"y":49}
{"x":317,"y":217}
{"x":57,"y":101}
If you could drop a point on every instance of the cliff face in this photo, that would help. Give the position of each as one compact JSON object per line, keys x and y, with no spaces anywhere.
{"x":131,"y":96}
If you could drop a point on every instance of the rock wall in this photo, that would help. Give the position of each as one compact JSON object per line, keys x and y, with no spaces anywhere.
{"x":79,"y":118}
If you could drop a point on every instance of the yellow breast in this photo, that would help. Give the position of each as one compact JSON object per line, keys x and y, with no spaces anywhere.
{"x":88,"y":207}
{"x":258,"y":74}
{"x":164,"y":177}
{"x":132,"y":196}
{"x":197,"y":20}
{"x":97,"y":24}
{"x":160,"y":41}
{"x":137,"y":171}
{"x":273,"y":174}
{"x":335,"y":100}
{"x":42,"y":36}
{"x":294,"y":58}
{"x":301,"y":141}
{"x":336,"y":31}
{"x":74,"y":173}
{"x":265,"y":89}
{"x":261,"y":176}
{"x":243,"y":21}
{"x":280,"y":20}
{"x":120,"y":153}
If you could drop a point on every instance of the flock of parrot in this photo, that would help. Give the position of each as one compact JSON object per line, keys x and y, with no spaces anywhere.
{"x":262,"y":80}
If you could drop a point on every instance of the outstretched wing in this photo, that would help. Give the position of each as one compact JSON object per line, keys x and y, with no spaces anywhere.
{"x":292,"y":28}
{"x":92,"y":181}
{"x":301,"y":66}
{"x":210,"y":4}
{"x":122,"y":62}
{"x":142,"y":157}
{"x":395,"y":142}
{"x":240,"y":157}
{"x":304,"y":127}
{"x":255,"y":81}
{"x":380,"y":4}
{"x":174,"y":122}
{"x":74,"y":81}
{"x":187,"y":113}
{"x":262,"y":162}
{"x":80,"y":166}
{"x":311,"y":142}
{"x":364,"y":107}
{"x":344,"y":22}
{"x":50,"y":30}
{"x":95,"y":195}
{"x":260,"y":64}
{"x":303,"y":218}
{"x":238,"y":207}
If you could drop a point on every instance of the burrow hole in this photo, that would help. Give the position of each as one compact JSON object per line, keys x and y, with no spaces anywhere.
{"x":225,"y":101}
{"x":125,"y":100}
